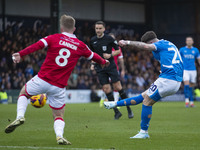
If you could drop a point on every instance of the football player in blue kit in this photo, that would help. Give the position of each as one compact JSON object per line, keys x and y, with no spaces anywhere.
{"x":168,"y":83}
{"x":189,"y":55}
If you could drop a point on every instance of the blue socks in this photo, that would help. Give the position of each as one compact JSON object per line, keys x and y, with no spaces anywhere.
{"x":130,"y":101}
{"x":191,"y":94}
{"x":145,"y":117}
{"x":186,"y":91}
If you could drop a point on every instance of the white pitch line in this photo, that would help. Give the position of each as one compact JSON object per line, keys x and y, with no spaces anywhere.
{"x":35,"y":147}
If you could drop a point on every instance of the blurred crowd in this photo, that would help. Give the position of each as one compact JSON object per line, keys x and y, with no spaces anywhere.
{"x":140,"y":67}
{"x":14,"y":76}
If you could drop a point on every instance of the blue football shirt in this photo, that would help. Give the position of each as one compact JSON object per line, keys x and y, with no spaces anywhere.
{"x":189,"y":55}
{"x":170,"y":60}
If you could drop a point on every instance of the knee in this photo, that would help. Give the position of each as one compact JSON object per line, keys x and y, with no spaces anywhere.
{"x":23,"y":92}
{"x":117,"y":86}
{"x":106,"y":88}
{"x":147,"y":100}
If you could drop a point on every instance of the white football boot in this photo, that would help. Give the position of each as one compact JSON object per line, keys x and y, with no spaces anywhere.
{"x":110,"y":105}
{"x":141,"y":135}
{"x":62,"y":141}
{"x":11,"y":127}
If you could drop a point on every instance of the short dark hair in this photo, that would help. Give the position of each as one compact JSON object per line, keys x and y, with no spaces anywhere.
{"x":148,"y":36}
{"x":101,"y":22}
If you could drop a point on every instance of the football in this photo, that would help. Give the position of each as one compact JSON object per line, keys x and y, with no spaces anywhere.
{"x":38,"y":101}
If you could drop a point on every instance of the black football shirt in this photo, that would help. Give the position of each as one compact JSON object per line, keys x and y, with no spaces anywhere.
{"x":104,"y":45}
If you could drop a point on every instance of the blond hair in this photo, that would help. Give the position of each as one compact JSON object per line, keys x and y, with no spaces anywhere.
{"x":67,"y":22}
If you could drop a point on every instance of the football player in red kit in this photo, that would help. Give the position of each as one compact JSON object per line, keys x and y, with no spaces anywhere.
{"x":63,"y":52}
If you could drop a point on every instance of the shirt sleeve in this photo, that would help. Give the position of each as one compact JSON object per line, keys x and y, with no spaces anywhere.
{"x":157,"y":46}
{"x":47,"y":40}
{"x":32,"y":48}
{"x":86,"y":52}
{"x":114,"y":44}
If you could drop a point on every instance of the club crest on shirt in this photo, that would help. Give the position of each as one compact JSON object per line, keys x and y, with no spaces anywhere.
{"x":193,"y":52}
{"x":104,"y":48}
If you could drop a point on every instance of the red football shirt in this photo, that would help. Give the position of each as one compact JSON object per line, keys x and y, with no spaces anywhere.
{"x":120,"y":55}
{"x":63,"y":52}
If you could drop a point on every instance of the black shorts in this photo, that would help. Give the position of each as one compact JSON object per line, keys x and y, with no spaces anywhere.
{"x":105,"y":75}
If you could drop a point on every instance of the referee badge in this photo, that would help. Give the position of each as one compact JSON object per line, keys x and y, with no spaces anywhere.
{"x":104,"y":48}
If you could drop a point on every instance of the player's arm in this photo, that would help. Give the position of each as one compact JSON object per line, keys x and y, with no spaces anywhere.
{"x":94,"y":56}
{"x":114,"y":53}
{"x":98,"y":59}
{"x":30,"y":49}
{"x":92,"y":62}
{"x":121,"y":63}
{"x":138,"y":45}
{"x":115,"y":45}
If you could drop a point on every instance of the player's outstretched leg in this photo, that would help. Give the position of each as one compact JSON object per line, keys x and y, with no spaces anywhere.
{"x":126,"y":102}
{"x":145,"y":119}
{"x":11,"y":127}
{"x":124,"y":96}
{"x":22,"y":104}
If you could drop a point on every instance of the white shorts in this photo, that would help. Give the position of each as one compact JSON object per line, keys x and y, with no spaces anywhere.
{"x":190,"y":76}
{"x":163,"y":87}
{"x":55,"y":95}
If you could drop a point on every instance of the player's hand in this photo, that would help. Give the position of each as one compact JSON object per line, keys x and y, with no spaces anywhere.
{"x":92,"y":67}
{"x":16,"y":57}
{"x":106,"y":55}
{"x":106,"y":64}
{"x":123,"y":43}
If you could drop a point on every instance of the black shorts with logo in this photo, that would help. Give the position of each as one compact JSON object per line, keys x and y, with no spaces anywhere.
{"x":107,"y":73}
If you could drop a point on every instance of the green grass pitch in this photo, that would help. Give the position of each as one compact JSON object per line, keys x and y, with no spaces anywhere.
{"x":89,"y":127}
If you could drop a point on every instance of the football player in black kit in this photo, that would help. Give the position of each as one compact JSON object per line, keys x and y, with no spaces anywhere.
{"x":102,"y":44}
